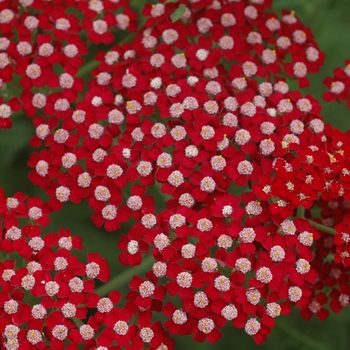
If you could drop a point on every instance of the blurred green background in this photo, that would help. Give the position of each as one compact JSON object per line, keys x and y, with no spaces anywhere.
{"x":330,"y":23}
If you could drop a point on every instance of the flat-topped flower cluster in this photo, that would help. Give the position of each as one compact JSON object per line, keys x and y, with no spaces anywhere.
{"x":198,"y":105}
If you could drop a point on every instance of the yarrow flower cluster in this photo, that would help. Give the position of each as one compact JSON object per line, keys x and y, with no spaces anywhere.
{"x":196,"y":105}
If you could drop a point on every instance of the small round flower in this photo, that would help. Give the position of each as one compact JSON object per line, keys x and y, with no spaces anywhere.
{"x":252,"y":326}
{"x":148,"y":221}
{"x":76,"y":285}
{"x":157,"y":10}
{"x":121,"y":327}
{"x":245,"y":168}
{"x":137,"y":134}
{"x":300,"y":70}
{"x":228,"y":20}
{"x":38,"y":312}
{"x":214,"y":88}
{"x":92,"y":270}
{"x":229,"y":312}
{"x":299,"y":36}
{"x":273,"y":24}
{"x":102,"y":193}
{"x":186,"y":200}
{"x":68,"y":310}
{"x":172,"y":90}
{"x":269,"y":56}
{"x":159,"y":269}
{"x":176,"y":178}
{"x":24,"y":48}
{"x":247,"y":235}
{"x":302,"y":266}
{"x":230,"y":103}
{"x":133,"y":247}
{"x":204,"y":25}
{"x":224,"y":241}
{"x":133,"y":107}
{"x":161,"y":241}
{"x":103,"y":78}
{"x":288,"y":227}
{"x":337,"y":87}
{"x":178,"y":133}
{"x":33,"y":71}
{"x":84,"y":180}
{"x":253,"y":208}
{"x":273,"y":309}
{"x":253,"y":296}
{"x":100,"y":26}
{"x":62,"y":24}
{"x":230,"y":120}
{"x":211,"y":107}
{"x":317,"y":125}
{"x":60,"y":332}
{"x":210,"y":73}
{"x":248,"y":109}
{"x":179,"y":60}
{"x":144,"y":168}
{"x":157,"y":60}
{"x":146,"y":289}
{"x":206,"y":325}
{"x":184,"y":279}
{"x":36,"y":243}
{"x":242,"y":137}
{"x":123,"y":21}
{"x":304,"y":105}
{"x":306,"y":238}
{"x":99,"y":155}
{"x":34,"y":336}
{"x":254,"y":38}
{"x":249,"y":68}
{"x":251,"y":12}
{"x":277,"y":253}
{"x":188,"y":251}
{"x":222,"y":283}
{"x":218,"y":163}
{"x":70,"y":50}
{"x":283,"y":42}
{"x":146,"y":334}
{"x":204,"y":225}
{"x":200,"y":300}
{"x":239,"y":83}
{"x":104,"y":305}
{"x":28,"y":282}
{"x":31,"y":23}
{"x":209,"y":265}
{"x":109,"y":212}
{"x":264,"y":275}
{"x":207,"y":184}
{"x":51,"y":288}
{"x":226,"y":42}
{"x":5,"y":111}
{"x":177,"y":220}
{"x":62,"y":194}
{"x":158,"y":130}
{"x":312,"y":54}
{"x":179,"y":317}
{"x":294,"y":294}
{"x":266,"y":147}
{"x":170,"y":36}
{"x":267,"y":128}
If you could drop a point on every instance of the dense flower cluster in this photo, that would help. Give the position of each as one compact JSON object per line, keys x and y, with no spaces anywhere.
{"x":198,"y":104}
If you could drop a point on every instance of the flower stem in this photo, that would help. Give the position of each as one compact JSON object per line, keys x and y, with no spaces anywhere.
{"x":123,"y":278}
{"x":323,"y":227}
{"x":300,"y":212}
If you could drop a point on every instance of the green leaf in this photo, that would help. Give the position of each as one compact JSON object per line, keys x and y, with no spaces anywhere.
{"x":178,"y":13}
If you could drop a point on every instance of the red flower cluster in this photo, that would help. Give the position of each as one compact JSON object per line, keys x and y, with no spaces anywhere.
{"x":199,"y":105}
